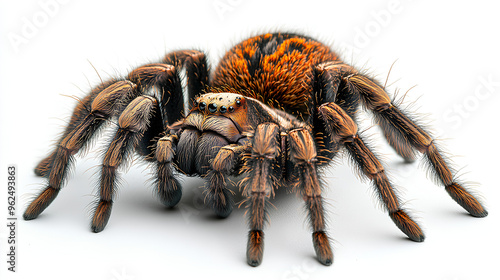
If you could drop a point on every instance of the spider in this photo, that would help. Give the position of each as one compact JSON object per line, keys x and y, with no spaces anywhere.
{"x":275,"y":111}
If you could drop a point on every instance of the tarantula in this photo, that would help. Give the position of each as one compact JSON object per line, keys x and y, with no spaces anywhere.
{"x":277,"y":108}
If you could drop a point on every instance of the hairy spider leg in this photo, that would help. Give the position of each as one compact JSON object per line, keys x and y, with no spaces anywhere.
{"x":304,"y":157}
{"x":87,"y":118}
{"x":197,"y":80}
{"x":166,"y":79}
{"x":341,"y":125}
{"x":132,"y":123}
{"x":334,"y":120}
{"x":408,"y":133}
{"x":81,"y":111}
{"x":100,"y":104}
{"x":218,"y":196}
{"x":262,"y":171}
{"x":168,"y":188}
{"x":329,"y":87}
{"x":196,"y":66}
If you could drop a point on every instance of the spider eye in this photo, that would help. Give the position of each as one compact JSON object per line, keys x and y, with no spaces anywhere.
{"x":238,"y":102}
{"x":202,"y":106}
{"x":223,"y":109}
{"x":231,"y":109}
{"x":212,"y":107}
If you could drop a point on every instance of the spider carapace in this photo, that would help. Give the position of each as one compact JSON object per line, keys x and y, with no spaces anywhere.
{"x":277,"y":108}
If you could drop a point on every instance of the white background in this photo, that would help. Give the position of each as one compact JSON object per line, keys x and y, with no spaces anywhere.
{"x":448,"y":50}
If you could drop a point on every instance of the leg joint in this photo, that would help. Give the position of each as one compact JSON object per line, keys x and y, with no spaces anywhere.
{"x":338,"y":121}
{"x":105,"y":102}
{"x":224,"y":161}
{"x":135,"y":117}
{"x":371,"y":93}
{"x":265,"y":142}
{"x":302,"y":146}
{"x":165,"y":149}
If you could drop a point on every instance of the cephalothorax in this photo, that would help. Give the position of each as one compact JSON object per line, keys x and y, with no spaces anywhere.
{"x":277,"y":108}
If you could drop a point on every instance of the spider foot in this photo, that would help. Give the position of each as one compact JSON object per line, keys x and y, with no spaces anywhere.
{"x":466,"y":200}
{"x":255,"y":248}
{"x":407,"y":225}
{"x":101,"y":215}
{"x":322,"y":248}
{"x":222,"y":203}
{"x":43,"y":200}
{"x":218,"y":196}
{"x":172,"y":195}
{"x":223,"y":211}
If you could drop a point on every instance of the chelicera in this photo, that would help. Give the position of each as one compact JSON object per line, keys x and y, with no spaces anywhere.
{"x":277,"y":108}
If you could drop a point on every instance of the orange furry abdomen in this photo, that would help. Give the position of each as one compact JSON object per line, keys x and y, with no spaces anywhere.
{"x":276,"y":69}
